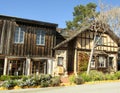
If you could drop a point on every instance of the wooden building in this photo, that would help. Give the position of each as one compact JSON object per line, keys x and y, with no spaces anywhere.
{"x":68,"y":53}
{"x":26,"y":46}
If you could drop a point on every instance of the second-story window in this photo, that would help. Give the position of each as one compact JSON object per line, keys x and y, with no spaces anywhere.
{"x":19,"y":35}
{"x":99,"y":40}
{"x":40,"y":37}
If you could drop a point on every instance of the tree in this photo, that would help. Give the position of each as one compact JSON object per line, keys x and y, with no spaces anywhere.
{"x":109,"y":17}
{"x":81,"y":14}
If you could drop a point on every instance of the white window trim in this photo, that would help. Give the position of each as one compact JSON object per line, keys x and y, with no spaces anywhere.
{"x":19,"y":30}
{"x":41,"y":31}
{"x":60,"y":63}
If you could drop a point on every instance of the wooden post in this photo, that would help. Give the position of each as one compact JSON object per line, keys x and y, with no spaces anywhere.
{"x":2,"y":36}
{"x":9,"y":37}
{"x":75,"y":62}
{"x":49,"y":66}
{"x":5,"y":66}
{"x":28,"y":66}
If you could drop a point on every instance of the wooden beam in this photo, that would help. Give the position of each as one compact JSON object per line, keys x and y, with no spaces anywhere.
{"x":2,"y":37}
{"x":9,"y":37}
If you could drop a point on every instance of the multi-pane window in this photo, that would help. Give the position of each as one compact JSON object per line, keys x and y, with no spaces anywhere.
{"x":99,"y":40}
{"x":102,"y":61}
{"x":19,"y":35}
{"x":60,"y":61}
{"x":40,"y":39}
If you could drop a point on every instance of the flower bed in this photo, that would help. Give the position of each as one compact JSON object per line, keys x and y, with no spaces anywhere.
{"x":31,"y":81}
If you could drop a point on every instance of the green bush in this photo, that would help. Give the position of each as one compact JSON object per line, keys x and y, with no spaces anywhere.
{"x":96,"y":75}
{"x":86,"y":77}
{"x":4,"y":77}
{"x":72,"y":78}
{"x":110,"y":77}
{"x":79,"y":80}
{"x":55,"y":81}
{"x":117,"y":74}
{"x":45,"y":80}
{"x":45,"y":83}
{"x":9,"y":83}
{"x":15,"y":77}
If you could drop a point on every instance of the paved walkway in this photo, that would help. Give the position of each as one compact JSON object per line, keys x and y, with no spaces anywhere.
{"x":90,"y":88}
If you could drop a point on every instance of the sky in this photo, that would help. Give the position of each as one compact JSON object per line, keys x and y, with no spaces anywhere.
{"x":53,"y":11}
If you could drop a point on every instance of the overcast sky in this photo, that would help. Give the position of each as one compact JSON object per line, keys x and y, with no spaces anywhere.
{"x":54,"y":11}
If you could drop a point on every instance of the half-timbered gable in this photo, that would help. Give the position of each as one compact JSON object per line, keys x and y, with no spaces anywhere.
{"x":105,"y":55}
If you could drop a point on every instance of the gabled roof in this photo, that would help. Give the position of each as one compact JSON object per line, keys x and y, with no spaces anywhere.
{"x":111,"y":34}
{"x":29,"y":21}
{"x":71,"y":38}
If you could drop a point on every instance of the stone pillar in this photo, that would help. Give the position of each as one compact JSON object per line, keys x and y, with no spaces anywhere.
{"x":5,"y":66}
{"x":75,"y":62}
{"x":28,"y":66}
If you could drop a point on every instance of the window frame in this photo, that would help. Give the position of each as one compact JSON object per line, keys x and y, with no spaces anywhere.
{"x":19,"y":30}
{"x":102,"y":64}
{"x":59,"y":62}
{"x":100,"y":41}
{"x":40,"y":34}
{"x":92,"y":63}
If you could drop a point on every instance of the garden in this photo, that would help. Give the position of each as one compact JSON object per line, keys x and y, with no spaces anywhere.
{"x":40,"y":81}
{"x":18,"y":82}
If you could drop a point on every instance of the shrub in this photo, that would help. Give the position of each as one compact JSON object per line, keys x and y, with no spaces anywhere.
{"x":44,"y":84}
{"x":21,"y":83}
{"x":15,"y":77}
{"x":72,"y":78}
{"x":9,"y":83}
{"x":96,"y":75}
{"x":4,"y":77}
{"x":55,"y":81}
{"x":86,"y":77}
{"x":110,"y":77}
{"x":79,"y":80}
{"x":45,"y":80}
{"x":117,"y":74}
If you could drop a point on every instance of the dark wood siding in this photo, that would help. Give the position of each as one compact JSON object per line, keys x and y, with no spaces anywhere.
{"x":29,"y":47}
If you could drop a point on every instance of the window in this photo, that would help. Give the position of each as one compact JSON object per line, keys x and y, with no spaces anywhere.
{"x":60,"y":61}
{"x":19,"y":35}
{"x":111,"y":61}
{"x":40,"y":39}
{"x":93,"y":63}
{"x":99,"y":40}
{"x":102,"y":61}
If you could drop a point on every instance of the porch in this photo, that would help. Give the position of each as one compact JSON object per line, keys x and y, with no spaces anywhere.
{"x":26,"y":66}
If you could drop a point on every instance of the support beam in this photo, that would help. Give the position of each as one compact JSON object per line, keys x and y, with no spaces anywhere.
{"x":28,"y":60}
{"x":75,"y":62}
{"x":49,"y":66}
{"x":5,"y":66}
